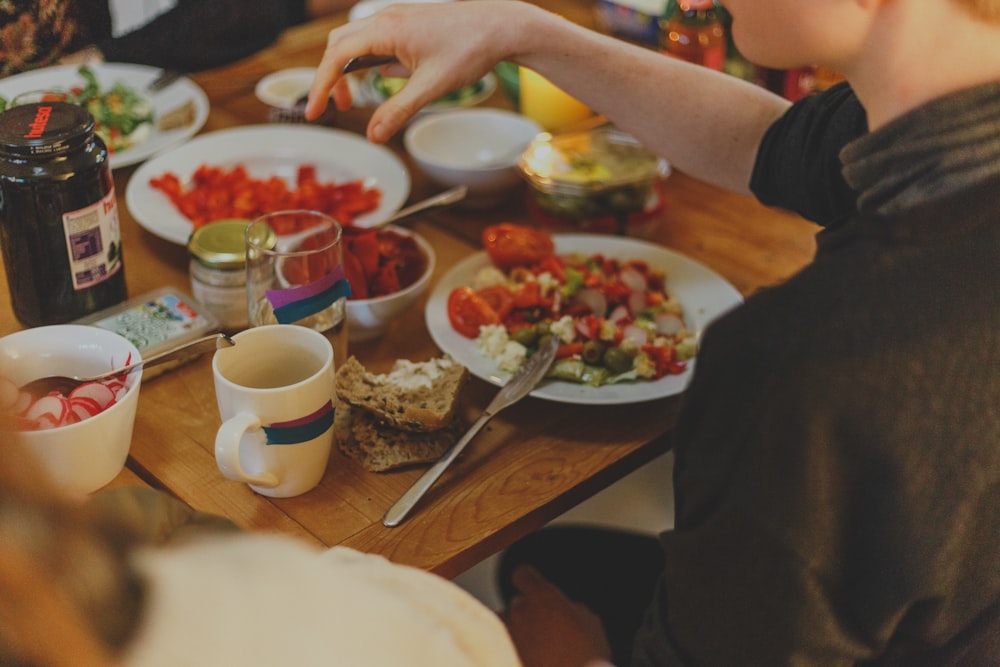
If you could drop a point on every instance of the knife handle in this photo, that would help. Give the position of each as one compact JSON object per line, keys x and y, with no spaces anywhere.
{"x":401,"y":508}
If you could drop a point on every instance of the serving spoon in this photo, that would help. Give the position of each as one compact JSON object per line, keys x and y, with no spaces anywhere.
{"x":64,"y":384}
{"x":289,"y":242}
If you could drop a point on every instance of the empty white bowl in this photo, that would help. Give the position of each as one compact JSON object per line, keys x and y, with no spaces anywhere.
{"x":84,"y":456}
{"x":368,"y":319}
{"x":478,"y":148}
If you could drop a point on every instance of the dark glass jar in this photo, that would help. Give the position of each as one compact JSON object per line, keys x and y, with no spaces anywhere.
{"x":59,"y":227}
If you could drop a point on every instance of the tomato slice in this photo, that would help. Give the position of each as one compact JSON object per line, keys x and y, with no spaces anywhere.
{"x":510,"y":245}
{"x":355,"y":275}
{"x":467,"y":311}
{"x":500,"y":298}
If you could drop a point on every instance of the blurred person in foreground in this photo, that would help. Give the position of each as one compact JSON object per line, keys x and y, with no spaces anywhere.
{"x":837,"y":477}
{"x":186,"y":35}
{"x":133,"y":577}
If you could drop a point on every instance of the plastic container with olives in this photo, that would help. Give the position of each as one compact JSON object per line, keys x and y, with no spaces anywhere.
{"x":599,"y":180}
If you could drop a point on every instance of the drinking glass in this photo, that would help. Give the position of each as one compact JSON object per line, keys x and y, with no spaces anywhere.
{"x":295,"y":274}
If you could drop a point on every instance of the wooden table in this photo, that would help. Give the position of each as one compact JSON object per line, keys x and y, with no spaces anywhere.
{"x":532,"y":463}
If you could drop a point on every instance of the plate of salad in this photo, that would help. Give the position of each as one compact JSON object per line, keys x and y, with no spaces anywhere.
{"x":629,"y":313}
{"x":134,"y":122}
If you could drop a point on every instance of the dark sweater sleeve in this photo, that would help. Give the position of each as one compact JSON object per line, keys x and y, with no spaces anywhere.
{"x":201,"y":34}
{"x":798,"y":164}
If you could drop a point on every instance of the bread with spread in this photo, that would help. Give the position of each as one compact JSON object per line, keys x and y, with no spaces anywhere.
{"x":413,"y":395}
{"x":405,"y":417}
{"x":380,"y":448}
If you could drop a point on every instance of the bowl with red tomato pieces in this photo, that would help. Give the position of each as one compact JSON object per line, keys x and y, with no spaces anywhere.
{"x":389,"y":270}
{"x":80,"y":438}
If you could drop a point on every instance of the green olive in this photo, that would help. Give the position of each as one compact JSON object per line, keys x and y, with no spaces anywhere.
{"x":526,"y":336}
{"x":593,"y":351}
{"x":617,"y":360}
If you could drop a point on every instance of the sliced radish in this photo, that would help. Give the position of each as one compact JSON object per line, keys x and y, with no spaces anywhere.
{"x":84,"y":405}
{"x":95,"y":390}
{"x":668,"y":324}
{"x":619,"y":314}
{"x":633,"y":279}
{"x":636,"y":334}
{"x":53,"y":406}
{"x":593,"y":299}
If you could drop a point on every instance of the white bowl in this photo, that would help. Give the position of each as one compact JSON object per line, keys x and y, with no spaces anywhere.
{"x":84,"y":456}
{"x":282,"y":89}
{"x":368,"y":319}
{"x":474,"y":147}
{"x":366,"y":8}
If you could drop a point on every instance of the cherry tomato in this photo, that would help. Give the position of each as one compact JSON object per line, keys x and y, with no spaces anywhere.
{"x":511,"y":245}
{"x":500,"y":298}
{"x":467,"y":311}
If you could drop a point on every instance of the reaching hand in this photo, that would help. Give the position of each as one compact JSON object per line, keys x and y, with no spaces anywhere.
{"x":442,"y":47}
{"x":549,"y":629}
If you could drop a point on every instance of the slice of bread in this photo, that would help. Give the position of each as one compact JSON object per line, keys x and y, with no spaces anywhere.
{"x":414,"y":396}
{"x":380,"y":448}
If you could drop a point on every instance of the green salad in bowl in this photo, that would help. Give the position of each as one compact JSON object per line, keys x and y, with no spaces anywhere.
{"x":384,"y":87}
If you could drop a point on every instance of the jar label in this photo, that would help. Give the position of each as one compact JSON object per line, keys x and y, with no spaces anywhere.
{"x":93,"y":242}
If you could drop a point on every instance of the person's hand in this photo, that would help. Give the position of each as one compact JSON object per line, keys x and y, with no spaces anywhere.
{"x":549,"y":629}
{"x":441,"y":46}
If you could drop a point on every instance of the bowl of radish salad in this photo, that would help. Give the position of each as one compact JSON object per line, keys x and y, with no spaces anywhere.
{"x":615,"y":317}
{"x":82,"y":438}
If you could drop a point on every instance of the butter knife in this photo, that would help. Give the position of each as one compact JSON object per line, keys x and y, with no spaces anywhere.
{"x":519,"y":386}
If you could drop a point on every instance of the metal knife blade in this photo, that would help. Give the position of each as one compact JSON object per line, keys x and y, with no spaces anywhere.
{"x":366,"y":61}
{"x":519,"y":386}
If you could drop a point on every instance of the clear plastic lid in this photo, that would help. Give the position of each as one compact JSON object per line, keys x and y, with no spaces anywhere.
{"x":583,"y":163}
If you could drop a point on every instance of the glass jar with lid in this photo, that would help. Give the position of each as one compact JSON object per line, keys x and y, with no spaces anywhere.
{"x":59,"y":228}
{"x":218,"y":271}
{"x":599,"y":180}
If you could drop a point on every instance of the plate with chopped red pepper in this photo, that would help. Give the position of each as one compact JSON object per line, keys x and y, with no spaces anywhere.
{"x":629,"y":313}
{"x":243,"y":172}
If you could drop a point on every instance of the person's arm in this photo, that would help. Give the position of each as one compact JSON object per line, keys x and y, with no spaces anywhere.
{"x":199,"y":34}
{"x":706,"y":123}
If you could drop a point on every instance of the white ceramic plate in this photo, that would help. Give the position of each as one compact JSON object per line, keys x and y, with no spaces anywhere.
{"x":269,"y":150}
{"x":704,"y":294}
{"x":137,"y":77}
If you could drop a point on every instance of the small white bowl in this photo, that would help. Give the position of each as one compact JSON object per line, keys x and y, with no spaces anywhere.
{"x":366,"y":8}
{"x":474,"y":147}
{"x":368,"y":319}
{"x":80,"y":457}
{"x":282,"y":89}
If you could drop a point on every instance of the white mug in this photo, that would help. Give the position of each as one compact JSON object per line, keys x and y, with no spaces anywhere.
{"x":275,"y":390}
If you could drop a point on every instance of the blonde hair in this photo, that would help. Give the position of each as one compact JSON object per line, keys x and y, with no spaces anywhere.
{"x":67,"y":594}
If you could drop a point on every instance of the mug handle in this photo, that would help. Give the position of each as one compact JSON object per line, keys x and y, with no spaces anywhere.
{"x":227,"y":450}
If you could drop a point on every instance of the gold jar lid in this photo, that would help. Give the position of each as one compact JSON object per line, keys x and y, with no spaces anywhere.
{"x":220,"y":244}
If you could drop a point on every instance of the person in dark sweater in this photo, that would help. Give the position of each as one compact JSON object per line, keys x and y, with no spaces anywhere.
{"x":837,"y":470}
{"x":186,"y":35}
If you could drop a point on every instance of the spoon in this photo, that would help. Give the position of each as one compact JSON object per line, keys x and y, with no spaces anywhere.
{"x":449,"y":196}
{"x":65,"y":384}
{"x":289,"y":242}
